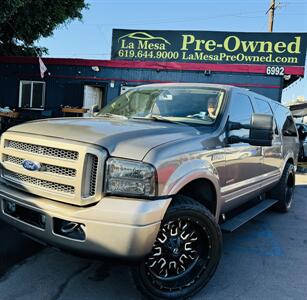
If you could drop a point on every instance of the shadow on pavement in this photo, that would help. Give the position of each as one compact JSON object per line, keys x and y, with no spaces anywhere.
{"x":14,"y":247}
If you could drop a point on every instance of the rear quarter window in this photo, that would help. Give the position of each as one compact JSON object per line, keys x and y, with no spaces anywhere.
{"x":263,"y":107}
{"x":284,"y":120}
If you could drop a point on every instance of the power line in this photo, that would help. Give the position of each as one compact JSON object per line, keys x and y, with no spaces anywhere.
{"x":179,"y":20}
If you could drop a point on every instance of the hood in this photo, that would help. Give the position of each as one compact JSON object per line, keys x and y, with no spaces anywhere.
{"x":130,"y":139}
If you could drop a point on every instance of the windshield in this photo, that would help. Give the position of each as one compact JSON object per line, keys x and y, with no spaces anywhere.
{"x":178,"y":104}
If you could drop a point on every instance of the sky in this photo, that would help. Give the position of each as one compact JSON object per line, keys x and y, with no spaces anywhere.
{"x":91,"y":38}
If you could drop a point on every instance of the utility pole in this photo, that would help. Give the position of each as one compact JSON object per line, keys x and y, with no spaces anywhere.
{"x":271,"y":11}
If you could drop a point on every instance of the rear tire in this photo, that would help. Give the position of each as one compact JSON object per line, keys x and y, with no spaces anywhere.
{"x":185,"y":255}
{"x":284,"y":190}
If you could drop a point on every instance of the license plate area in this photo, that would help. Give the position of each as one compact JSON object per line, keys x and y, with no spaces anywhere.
{"x":24,"y":214}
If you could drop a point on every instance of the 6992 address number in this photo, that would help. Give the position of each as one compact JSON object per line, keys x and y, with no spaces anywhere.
{"x":275,"y":70}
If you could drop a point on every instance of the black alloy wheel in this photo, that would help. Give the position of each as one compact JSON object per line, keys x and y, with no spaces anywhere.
{"x":284,"y":190}
{"x":185,"y":255}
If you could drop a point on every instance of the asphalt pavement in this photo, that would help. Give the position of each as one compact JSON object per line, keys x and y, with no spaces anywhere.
{"x":264,"y":259}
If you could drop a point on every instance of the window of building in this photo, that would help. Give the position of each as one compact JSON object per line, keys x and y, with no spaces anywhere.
{"x":32,"y":94}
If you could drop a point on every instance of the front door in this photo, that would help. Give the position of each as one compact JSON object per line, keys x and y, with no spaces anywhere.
{"x":243,"y":161}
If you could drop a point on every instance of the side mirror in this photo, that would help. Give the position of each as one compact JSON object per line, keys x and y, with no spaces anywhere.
{"x":260,"y":131}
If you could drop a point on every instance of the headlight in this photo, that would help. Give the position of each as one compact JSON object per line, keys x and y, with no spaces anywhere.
{"x":131,"y":178}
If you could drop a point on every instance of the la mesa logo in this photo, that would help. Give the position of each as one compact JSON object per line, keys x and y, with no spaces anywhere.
{"x":142,"y":41}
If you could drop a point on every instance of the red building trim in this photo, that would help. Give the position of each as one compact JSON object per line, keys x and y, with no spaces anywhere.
{"x":236,"y":68}
{"x":90,"y":78}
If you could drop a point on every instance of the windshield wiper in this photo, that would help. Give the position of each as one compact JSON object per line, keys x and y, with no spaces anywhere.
{"x":108,"y":115}
{"x":159,"y":118}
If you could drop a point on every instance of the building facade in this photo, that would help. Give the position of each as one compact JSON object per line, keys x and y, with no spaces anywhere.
{"x":82,"y":83}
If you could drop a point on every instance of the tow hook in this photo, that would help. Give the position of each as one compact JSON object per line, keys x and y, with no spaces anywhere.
{"x":70,"y":227}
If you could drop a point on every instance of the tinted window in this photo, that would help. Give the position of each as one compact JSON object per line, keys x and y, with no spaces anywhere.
{"x":284,"y":120}
{"x":263,"y":107}
{"x":241,"y":111}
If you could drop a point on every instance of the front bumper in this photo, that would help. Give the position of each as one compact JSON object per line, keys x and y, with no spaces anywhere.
{"x":115,"y":226}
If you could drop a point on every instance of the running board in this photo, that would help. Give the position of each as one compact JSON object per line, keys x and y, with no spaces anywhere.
{"x":244,"y":217}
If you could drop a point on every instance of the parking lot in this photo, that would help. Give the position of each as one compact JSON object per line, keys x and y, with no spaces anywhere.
{"x":265,"y":259}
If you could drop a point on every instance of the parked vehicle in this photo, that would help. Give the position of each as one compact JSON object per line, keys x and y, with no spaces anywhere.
{"x":152,"y":177}
{"x":302,"y":131}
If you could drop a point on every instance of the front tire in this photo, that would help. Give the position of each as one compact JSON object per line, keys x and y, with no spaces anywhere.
{"x":284,"y":190}
{"x":185,"y":255}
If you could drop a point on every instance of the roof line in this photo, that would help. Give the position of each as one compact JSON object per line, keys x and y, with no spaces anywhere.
{"x":106,"y":79}
{"x":179,"y":66}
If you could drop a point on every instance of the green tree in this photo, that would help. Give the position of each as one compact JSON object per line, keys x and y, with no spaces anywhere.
{"x":22,"y":22}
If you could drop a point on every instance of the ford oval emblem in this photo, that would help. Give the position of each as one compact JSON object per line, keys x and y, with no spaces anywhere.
{"x":31,"y":165}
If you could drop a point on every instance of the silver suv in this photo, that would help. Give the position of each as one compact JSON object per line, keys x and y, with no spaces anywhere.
{"x":153,"y":177}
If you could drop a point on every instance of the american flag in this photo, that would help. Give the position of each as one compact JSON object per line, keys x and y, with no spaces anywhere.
{"x":42,"y":67}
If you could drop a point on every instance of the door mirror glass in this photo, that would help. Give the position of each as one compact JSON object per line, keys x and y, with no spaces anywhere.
{"x":261,"y":130}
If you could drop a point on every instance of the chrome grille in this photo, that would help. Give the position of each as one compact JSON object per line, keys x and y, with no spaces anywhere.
{"x":45,"y":167}
{"x":70,"y":171}
{"x":53,"y":186}
{"x":59,"y":170}
{"x":42,"y":150}
{"x":93,"y":175}
{"x":90,"y":175}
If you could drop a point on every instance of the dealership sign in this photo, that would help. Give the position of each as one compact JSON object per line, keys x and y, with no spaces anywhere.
{"x":274,"y":49}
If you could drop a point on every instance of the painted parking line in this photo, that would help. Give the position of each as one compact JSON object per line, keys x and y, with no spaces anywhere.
{"x":259,"y":239}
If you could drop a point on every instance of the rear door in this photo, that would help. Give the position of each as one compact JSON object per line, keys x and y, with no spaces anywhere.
{"x":287,"y":130}
{"x":271,"y":156}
